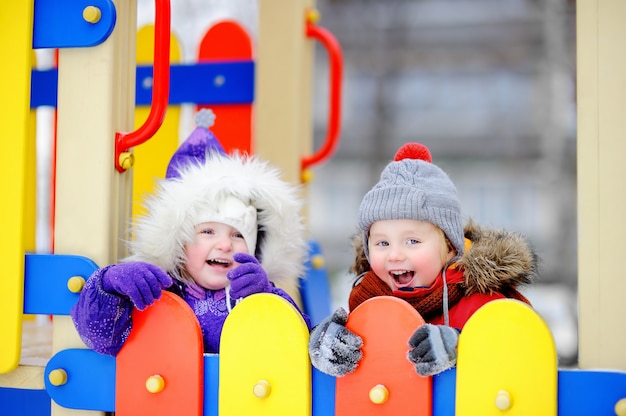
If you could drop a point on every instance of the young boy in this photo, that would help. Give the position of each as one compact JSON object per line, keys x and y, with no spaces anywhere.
{"x":412,"y":245}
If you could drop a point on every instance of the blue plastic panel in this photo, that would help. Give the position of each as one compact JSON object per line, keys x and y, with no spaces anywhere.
{"x":90,"y":380}
{"x":22,"y":402}
{"x":323,"y":399}
{"x":583,"y":392}
{"x":45,"y":282}
{"x":211,"y":384}
{"x":205,"y":83}
{"x":43,"y":88}
{"x":60,"y":24}
{"x":202,"y":83}
{"x":315,"y":289}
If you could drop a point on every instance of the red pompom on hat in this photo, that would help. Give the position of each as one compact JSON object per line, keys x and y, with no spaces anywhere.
{"x":415,"y":151}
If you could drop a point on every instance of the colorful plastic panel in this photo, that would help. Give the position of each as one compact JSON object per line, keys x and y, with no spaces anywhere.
{"x":314,"y":288}
{"x":264,"y":361}
{"x":24,"y":402}
{"x":506,"y":362}
{"x":46,"y":281}
{"x":16,"y":28}
{"x":71,"y":24}
{"x":385,"y":382}
{"x":161,"y":366}
{"x":81,"y":379}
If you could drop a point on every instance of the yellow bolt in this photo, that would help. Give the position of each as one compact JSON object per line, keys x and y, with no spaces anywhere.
{"x":75,"y":284}
{"x":57,"y":377}
{"x":379,"y":394}
{"x":92,"y":14}
{"x":317,"y":261}
{"x":313,"y":16}
{"x":155,"y":383}
{"x":504,"y":400}
{"x":127,"y":160}
{"x":620,"y":407}
{"x":307,"y":176}
{"x":262,"y":389}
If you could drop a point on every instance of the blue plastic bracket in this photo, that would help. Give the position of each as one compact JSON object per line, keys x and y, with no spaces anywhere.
{"x":90,"y":381}
{"x":45,"y":282}
{"x":60,"y":24}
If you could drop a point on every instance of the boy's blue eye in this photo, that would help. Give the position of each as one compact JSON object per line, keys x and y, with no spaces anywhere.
{"x":207,"y":231}
{"x":382,"y":243}
{"x":413,"y":241}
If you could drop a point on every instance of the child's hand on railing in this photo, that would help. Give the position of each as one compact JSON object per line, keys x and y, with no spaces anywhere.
{"x":141,"y":282}
{"x":333,"y":348}
{"x":433,"y":349}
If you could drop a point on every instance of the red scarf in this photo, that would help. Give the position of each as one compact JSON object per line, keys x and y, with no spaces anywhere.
{"x":428,"y":301}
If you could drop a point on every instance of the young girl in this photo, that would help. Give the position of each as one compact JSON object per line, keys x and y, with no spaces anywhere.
{"x":217,"y":229}
{"x":412,"y":245}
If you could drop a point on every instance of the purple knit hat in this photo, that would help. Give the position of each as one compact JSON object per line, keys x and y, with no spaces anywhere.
{"x":199,"y":143}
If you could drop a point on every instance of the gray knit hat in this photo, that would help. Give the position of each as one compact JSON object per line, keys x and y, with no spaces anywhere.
{"x":411,"y":187}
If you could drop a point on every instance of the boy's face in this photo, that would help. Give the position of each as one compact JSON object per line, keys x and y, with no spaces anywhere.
{"x":407,"y":253}
{"x":210,"y":255}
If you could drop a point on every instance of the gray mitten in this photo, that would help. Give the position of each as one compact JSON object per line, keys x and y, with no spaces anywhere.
{"x":433,"y":349}
{"x":141,"y":282}
{"x":333,"y":348}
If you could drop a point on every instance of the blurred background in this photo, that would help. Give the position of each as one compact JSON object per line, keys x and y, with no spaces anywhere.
{"x":487,"y":85}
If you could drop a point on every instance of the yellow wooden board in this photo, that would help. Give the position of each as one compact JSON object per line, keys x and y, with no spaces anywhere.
{"x":385,"y":382}
{"x":152,"y":157}
{"x":507,"y":363}
{"x":16,"y":29}
{"x":264,"y":360}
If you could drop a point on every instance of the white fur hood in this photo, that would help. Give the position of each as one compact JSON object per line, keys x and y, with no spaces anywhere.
{"x":172,"y":210}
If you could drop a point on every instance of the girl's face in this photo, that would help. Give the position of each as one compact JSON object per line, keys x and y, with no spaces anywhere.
{"x":407,"y":253}
{"x":210,"y":255}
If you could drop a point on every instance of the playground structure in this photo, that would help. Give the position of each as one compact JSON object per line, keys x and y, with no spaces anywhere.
{"x":96,"y":186}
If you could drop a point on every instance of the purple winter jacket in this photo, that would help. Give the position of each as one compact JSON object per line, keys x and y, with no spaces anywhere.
{"x":103,"y":319}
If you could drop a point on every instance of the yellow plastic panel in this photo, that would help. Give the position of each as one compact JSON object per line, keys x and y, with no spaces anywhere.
{"x":264,"y":361}
{"x":16,"y":29}
{"x":152,"y":157}
{"x":507,"y":363}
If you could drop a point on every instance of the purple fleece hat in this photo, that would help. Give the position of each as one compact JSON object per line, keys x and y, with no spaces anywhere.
{"x":200,"y":142}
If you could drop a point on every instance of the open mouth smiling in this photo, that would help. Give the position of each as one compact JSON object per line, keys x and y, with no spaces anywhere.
{"x":219,"y":263}
{"x":402,"y":278}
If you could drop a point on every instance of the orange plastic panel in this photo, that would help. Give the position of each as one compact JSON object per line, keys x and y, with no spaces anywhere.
{"x":385,"y":323}
{"x":164,"y":351}
{"x":229,"y":41}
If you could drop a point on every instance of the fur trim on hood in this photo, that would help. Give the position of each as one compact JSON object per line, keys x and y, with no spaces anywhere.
{"x":177,"y":203}
{"x":496,"y":260}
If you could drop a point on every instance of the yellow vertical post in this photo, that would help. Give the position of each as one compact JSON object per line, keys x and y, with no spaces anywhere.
{"x":93,"y":201}
{"x":284,"y":65}
{"x":283,"y":85}
{"x":16,"y":28}
{"x":601,"y":85}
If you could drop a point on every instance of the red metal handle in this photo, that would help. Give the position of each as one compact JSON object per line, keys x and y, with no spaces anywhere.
{"x":160,"y":87}
{"x":334,"y":109}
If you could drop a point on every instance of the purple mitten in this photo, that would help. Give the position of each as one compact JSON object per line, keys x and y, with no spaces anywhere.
{"x":141,"y":282}
{"x":248,"y":278}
